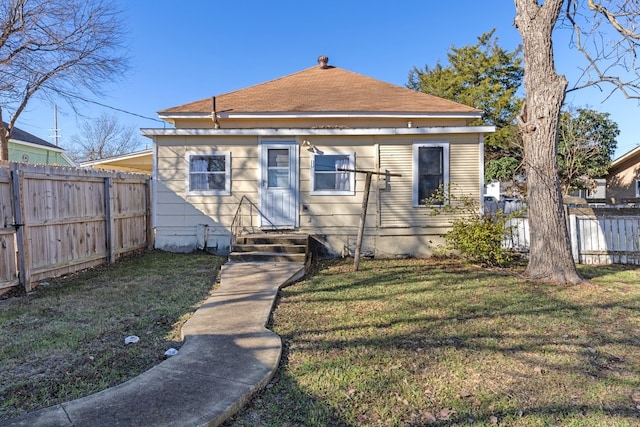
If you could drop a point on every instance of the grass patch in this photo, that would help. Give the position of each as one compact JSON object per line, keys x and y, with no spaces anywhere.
{"x":427,"y":342}
{"x":66,"y":340}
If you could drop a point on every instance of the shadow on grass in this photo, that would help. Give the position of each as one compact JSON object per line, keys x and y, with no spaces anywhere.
{"x":285,"y":403}
{"x":66,"y":340}
{"x":529,"y":353}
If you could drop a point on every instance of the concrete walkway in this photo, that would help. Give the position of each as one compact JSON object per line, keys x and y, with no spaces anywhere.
{"x":227,"y":356}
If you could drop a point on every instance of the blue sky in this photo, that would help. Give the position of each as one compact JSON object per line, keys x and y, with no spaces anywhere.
{"x":194,"y":49}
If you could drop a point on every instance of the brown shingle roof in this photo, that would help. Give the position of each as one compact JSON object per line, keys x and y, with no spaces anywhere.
{"x":330,"y":90}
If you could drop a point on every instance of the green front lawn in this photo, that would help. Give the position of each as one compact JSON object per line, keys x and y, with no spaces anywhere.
{"x":425,"y":342}
{"x":66,"y":340}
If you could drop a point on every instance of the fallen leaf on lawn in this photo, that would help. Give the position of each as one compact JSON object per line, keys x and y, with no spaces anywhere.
{"x":429,"y":418}
{"x":446,"y":414}
{"x":493,"y":420}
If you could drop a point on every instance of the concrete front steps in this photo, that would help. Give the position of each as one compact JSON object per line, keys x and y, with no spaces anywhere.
{"x":270,"y":247}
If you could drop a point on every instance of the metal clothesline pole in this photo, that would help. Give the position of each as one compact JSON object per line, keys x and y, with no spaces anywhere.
{"x":363,"y":213}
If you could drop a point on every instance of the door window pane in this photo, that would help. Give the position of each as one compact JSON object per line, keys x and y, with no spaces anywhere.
{"x":278,"y":178}
{"x":278,"y":168}
{"x":279,"y":158}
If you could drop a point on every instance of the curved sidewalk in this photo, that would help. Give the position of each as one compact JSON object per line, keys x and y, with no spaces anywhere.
{"x":227,"y":356}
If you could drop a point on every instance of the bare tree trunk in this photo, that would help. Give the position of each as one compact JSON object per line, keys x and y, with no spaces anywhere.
{"x":550,"y":249}
{"x":4,"y":139}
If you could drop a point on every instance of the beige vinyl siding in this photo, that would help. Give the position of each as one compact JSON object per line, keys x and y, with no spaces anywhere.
{"x":337,"y":214}
{"x":393,"y":225}
{"x":178,"y":208}
{"x":396,"y":202}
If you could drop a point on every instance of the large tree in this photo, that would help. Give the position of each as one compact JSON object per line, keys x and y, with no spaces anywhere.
{"x":586,"y":144}
{"x":550,"y":254}
{"x":483,"y":75}
{"x":55,"y":49}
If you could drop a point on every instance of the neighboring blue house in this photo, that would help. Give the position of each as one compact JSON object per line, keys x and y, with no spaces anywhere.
{"x":27,"y":148}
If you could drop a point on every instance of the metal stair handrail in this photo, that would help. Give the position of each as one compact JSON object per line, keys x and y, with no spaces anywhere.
{"x":237,"y":225}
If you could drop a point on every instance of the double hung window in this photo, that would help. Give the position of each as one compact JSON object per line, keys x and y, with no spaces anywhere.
{"x":209,"y":173}
{"x":326,"y":176}
{"x":430,"y":173}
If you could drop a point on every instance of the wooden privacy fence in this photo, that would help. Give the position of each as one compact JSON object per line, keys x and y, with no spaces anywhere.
{"x":599,"y":235}
{"x":59,"y":220}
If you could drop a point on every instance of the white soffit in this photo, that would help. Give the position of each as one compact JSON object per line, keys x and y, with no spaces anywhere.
{"x":321,"y":131}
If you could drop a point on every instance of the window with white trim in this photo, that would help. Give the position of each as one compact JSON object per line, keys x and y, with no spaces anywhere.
{"x":209,"y":173}
{"x":637,"y":187}
{"x":430,"y":172}
{"x":325,"y":176}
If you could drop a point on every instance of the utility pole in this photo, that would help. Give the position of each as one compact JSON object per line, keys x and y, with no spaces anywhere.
{"x":56,"y":136}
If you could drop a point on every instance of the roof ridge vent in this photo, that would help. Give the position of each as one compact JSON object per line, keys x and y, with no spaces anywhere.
{"x":323,"y":61}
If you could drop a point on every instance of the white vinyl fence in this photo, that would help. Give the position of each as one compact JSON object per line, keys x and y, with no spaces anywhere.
{"x":598,"y":235}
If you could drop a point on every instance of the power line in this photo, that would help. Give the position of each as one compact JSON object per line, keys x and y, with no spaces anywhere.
{"x":114,"y":108}
{"x":70,"y":95}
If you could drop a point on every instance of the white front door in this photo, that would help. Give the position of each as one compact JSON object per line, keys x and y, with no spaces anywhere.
{"x":279,"y":185}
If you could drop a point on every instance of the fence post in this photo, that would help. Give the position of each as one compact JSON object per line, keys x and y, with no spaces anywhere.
{"x":24,"y":262}
{"x":573,"y":234}
{"x":111,"y":250}
{"x":149,"y":213}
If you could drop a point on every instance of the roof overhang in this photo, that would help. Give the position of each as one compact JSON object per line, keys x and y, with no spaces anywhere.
{"x":629,"y":155}
{"x":128,"y":156}
{"x":136,"y":162}
{"x":41,"y":147}
{"x":431,"y":130}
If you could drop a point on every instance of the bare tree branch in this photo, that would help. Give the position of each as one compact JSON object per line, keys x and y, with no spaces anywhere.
{"x":56,"y":49}
{"x":611,"y":63}
{"x":103,"y":137}
{"x":615,"y":19}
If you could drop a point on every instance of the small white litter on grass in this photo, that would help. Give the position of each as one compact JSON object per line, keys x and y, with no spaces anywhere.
{"x":171,"y":352}
{"x":131,"y":339}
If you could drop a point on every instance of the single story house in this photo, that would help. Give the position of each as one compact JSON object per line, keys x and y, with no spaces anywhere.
{"x":623,"y":180}
{"x":136,"y":162}
{"x":27,"y":148}
{"x":292,"y":155}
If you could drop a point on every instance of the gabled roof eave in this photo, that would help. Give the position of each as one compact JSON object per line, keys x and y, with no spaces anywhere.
{"x":35,"y":145}
{"x":121,"y":157}
{"x":629,"y":155}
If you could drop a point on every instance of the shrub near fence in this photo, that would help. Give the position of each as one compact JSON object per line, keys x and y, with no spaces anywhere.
{"x":68,"y":219}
